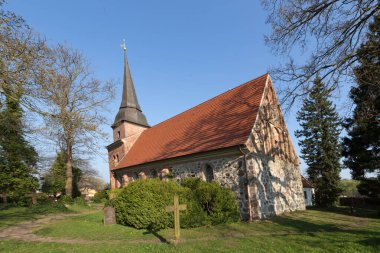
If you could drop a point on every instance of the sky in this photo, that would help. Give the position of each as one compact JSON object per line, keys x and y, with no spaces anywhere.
{"x":180,"y":53}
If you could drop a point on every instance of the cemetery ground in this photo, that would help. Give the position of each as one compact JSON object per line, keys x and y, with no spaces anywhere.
{"x":80,"y":229}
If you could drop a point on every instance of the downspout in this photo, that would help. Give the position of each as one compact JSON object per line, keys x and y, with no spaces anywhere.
{"x":247,"y":189}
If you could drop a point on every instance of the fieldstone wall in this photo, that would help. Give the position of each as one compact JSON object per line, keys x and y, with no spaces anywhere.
{"x":229,"y":172}
{"x":275,"y":186}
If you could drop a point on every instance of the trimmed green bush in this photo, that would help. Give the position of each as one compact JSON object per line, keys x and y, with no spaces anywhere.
{"x":100,"y":197}
{"x":142,"y":204}
{"x":217,"y":202}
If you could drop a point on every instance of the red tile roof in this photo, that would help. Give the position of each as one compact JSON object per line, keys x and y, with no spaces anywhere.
{"x":223,"y":121}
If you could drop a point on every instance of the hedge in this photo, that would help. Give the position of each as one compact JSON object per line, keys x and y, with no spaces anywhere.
{"x":142,"y":204}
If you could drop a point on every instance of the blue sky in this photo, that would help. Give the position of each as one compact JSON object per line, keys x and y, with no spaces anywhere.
{"x":181,"y":53}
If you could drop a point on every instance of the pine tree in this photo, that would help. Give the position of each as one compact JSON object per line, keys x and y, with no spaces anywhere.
{"x":17,"y":157}
{"x":319,"y":141}
{"x":362,"y":144}
{"x":55,"y":178}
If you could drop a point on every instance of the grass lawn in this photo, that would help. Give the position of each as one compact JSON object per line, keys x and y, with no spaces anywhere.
{"x":304,"y":231}
{"x":10,"y":215}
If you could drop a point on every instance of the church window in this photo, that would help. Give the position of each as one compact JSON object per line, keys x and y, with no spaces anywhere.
{"x":209,"y":173}
{"x":118,"y":135}
{"x":305,"y":194}
{"x":117,"y":158}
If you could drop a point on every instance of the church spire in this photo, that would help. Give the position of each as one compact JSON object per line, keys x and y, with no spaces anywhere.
{"x":129,"y":108}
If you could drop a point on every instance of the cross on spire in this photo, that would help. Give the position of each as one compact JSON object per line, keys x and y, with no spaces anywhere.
{"x":123,"y":46}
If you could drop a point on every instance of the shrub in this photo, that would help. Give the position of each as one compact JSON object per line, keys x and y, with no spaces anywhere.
{"x":100,"y":197}
{"x":113,"y":193}
{"x":65,"y":199}
{"x":80,"y":201}
{"x":142,"y":204}
{"x":219,"y":203}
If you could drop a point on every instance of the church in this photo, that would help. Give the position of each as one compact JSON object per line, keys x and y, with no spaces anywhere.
{"x":238,"y":139}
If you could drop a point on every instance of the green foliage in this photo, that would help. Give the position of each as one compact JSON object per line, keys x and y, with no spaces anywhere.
{"x":55,"y":178}
{"x":100,"y":197}
{"x":362,"y":143}
{"x":65,"y":199}
{"x":370,"y":187}
{"x":319,"y":141}
{"x":349,"y":188}
{"x":217,"y":202}
{"x":142,"y":204}
{"x":17,"y":157}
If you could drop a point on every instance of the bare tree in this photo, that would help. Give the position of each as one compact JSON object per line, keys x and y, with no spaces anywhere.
{"x":22,"y":59}
{"x":75,"y":100}
{"x":332,"y":30}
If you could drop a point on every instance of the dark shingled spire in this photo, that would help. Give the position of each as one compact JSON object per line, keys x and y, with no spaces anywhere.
{"x":129,"y":108}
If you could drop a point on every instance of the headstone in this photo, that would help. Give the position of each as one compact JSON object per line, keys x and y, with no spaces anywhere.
{"x":176,"y":208}
{"x":109,"y":216}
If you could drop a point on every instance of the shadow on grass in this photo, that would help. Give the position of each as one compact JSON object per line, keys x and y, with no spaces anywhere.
{"x":346,"y":210}
{"x":156,"y":234}
{"x":310,"y":228}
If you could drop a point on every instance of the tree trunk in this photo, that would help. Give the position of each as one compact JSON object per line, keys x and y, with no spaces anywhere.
{"x":69,"y":172}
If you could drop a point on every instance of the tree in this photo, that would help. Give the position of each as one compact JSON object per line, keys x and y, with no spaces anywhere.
{"x":332,"y":29}
{"x":74,"y":99}
{"x":54,"y":181}
{"x":319,"y":141}
{"x":23,"y":60}
{"x":17,"y":157}
{"x":349,"y":188}
{"x":362,"y":143}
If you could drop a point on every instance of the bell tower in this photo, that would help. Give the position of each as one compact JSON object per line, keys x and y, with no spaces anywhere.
{"x":129,"y":122}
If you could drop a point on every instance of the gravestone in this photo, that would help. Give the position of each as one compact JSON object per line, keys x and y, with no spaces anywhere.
{"x":109,"y":216}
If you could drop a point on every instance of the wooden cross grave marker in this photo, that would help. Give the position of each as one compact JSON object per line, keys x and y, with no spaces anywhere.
{"x":176,"y":208}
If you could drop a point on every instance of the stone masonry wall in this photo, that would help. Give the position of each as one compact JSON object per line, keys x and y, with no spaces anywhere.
{"x":229,"y":172}
{"x":275,"y":186}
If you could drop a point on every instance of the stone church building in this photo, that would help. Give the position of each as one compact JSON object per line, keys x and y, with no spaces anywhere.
{"x":238,"y":138}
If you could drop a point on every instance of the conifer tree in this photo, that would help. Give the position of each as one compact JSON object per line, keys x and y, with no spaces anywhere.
{"x":17,"y":157}
{"x":55,"y":178}
{"x":319,"y":141}
{"x":362,"y":143}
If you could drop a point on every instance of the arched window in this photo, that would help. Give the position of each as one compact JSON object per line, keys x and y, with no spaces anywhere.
{"x":209,"y":173}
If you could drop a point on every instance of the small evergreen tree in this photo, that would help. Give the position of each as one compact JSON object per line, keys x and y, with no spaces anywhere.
{"x":17,"y":157}
{"x":319,"y":141}
{"x":55,"y":178}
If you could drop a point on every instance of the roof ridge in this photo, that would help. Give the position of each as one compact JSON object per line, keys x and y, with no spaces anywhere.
{"x":266,"y":74}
